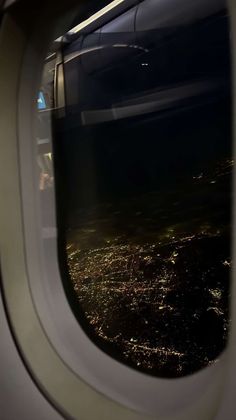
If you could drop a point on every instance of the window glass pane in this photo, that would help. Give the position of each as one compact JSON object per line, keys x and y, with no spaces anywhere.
{"x":44,"y":164}
{"x":143,"y":165}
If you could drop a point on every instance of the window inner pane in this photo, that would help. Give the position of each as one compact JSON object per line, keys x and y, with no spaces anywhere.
{"x":143,"y":164}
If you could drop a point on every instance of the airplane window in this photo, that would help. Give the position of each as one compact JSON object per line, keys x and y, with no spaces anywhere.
{"x":143,"y":167}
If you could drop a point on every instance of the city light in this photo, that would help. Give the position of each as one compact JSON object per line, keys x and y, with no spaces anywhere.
{"x":153,"y":299}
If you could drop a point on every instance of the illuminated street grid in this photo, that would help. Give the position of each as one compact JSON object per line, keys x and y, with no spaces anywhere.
{"x":160,"y":305}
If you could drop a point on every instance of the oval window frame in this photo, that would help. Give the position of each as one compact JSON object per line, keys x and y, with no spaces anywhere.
{"x":26,"y":284}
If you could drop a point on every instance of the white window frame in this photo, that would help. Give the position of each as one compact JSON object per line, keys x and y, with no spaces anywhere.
{"x":80,"y":379}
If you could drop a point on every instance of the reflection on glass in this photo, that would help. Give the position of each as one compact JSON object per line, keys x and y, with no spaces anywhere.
{"x":41,"y":101}
{"x":44,"y":164}
{"x":143,"y":163}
